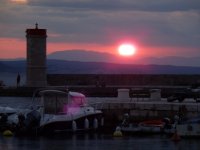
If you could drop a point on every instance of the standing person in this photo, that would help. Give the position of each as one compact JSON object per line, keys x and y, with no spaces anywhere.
{"x":18,"y":80}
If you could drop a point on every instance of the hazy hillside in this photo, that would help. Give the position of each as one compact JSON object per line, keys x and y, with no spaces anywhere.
{"x":73,"y":67}
{"x":13,"y":66}
{"x":92,"y":56}
{"x":82,"y":55}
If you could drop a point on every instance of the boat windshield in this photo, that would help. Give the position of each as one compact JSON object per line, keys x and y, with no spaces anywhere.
{"x":53,"y":101}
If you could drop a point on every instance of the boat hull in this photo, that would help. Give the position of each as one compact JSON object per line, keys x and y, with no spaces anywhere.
{"x":142,"y":130}
{"x":188,"y":130}
{"x":94,"y":122}
{"x":145,"y":127}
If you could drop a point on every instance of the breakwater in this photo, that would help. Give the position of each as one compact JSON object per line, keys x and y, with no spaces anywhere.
{"x":143,"y":109}
{"x":93,"y":91}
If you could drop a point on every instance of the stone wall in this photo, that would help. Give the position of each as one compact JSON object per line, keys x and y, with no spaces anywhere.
{"x":122,"y":79}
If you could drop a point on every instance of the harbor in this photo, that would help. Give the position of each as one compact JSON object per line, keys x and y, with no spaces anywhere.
{"x":110,"y":96}
{"x":139,"y":106}
{"x":99,"y":75}
{"x":144,"y":108}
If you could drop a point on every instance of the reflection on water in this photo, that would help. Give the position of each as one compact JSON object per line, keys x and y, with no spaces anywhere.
{"x":97,"y":142}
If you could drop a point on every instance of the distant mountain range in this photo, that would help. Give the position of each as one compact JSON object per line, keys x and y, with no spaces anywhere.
{"x":77,"y":67}
{"x":87,"y":62}
{"x":91,"y":56}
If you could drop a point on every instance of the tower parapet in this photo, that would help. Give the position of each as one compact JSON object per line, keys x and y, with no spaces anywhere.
{"x":36,"y":57}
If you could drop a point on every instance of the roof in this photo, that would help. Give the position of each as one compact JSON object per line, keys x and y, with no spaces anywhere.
{"x":36,"y":32}
{"x":43,"y":92}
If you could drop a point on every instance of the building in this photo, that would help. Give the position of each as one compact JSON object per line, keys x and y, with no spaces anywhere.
{"x":36,"y":57}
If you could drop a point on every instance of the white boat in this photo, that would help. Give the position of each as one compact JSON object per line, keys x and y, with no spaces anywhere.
{"x":67,"y":111}
{"x":189,"y":127}
{"x":57,"y":111}
{"x":9,"y":117}
{"x":7,"y":110}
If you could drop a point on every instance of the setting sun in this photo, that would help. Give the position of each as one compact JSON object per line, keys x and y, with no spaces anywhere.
{"x":126,"y":49}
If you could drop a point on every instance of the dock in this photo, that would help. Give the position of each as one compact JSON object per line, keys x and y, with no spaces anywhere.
{"x":143,"y":108}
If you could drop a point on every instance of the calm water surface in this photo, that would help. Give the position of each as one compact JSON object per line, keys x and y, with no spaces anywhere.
{"x":96,"y":142}
{"x":88,"y":141}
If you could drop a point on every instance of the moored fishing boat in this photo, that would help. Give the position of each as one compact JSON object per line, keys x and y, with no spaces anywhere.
{"x":156,"y":126}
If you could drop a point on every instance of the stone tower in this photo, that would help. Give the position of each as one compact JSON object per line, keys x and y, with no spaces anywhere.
{"x":36,"y":57}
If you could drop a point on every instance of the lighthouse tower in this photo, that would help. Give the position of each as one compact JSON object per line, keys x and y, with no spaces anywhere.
{"x":36,"y":57}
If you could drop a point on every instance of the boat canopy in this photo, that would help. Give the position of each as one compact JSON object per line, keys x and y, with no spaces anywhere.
{"x":57,"y":101}
{"x":76,"y":98}
{"x":44,"y":92}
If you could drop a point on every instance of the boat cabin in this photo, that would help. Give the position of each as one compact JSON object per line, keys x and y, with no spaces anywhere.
{"x":58,"y":102}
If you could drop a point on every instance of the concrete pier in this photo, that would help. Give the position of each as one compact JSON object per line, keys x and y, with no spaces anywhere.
{"x":143,"y":109}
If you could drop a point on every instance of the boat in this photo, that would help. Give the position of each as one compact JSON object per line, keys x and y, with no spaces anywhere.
{"x":145,"y":127}
{"x":156,"y":126}
{"x":7,"y":110}
{"x":54,"y":111}
{"x":188,"y":127}
{"x":61,"y":111}
{"x":8,"y":117}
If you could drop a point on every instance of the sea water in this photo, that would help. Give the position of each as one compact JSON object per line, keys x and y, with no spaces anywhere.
{"x":92,"y":141}
{"x":96,"y":142}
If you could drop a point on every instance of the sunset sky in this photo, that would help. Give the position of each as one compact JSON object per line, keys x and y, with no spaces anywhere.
{"x":156,"y":27}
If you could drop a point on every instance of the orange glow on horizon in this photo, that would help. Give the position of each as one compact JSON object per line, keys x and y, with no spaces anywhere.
{"x":12,"y":48}
{"x":19,"y":1}
{"x":16,"y":48}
